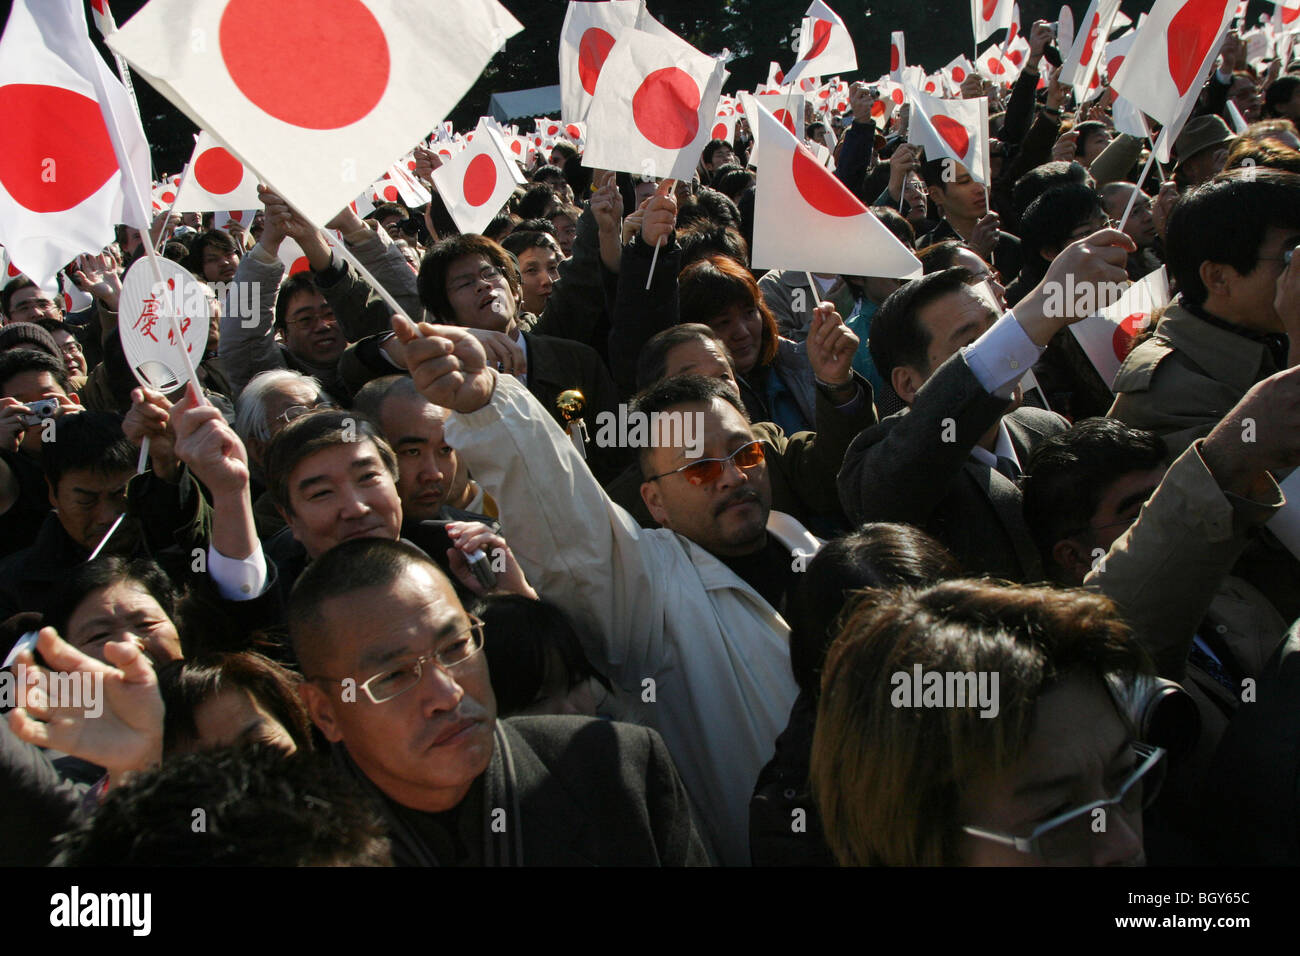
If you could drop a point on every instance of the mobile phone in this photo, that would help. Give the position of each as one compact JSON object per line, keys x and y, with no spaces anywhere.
{"x":482,"y":570}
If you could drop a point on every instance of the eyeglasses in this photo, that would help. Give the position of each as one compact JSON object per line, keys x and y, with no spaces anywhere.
{"x":708,"y":470}
{"x":297,"y":411}
{"x":457,"y":649}
{"x":1068,"y":835}
{"x":486,"y":274}
{"x":305,"y":320}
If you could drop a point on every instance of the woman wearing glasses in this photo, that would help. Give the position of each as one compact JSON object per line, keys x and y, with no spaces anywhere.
{"x":1045,"y":769}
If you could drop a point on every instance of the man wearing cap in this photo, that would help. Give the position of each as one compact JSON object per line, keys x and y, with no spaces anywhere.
{"x":1200,"y":150}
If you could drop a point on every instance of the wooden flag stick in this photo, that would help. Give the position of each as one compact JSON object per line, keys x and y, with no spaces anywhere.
{"x":654,"y":260}
{"x":362,"y":271}
{"x":817,"y":296}
{"x":1134,"y":194}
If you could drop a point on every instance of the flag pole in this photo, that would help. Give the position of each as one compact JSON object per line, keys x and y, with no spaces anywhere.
{"x":1134,"y":194}
{"x":654,"y":259}
{"x":362,"y":271}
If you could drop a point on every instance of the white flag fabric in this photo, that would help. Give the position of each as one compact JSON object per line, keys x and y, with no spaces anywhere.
{"x":74,"y":300}
{"x":475,"y":184}
{"x":61,"y":185}
{"x":897,"y":56}
{"x":1085,"y":56}
{"x":958,"y":129}
{"x":825,"y":45}
{"x":990,"y":16}
{"x":1174,"y":49}
{"x":1065,"y":29}
{"x":784,"y":107}
{"x":589,"y":32}
{"x":1286,"y":16}
{"x":1107,"y":337}
{"x":315,"y":105}
{"x":104,"y":21}
{"x":654,"y":107}
{"x":806,"y":219}
{"x":216,"y":181}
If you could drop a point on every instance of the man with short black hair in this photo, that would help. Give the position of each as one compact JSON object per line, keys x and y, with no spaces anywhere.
{"x":963,"y":202}
{"x":22,"y":300}
{"x":397,"y":681}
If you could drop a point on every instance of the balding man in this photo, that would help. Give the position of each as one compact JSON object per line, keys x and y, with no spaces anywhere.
{"x":397,"y":683}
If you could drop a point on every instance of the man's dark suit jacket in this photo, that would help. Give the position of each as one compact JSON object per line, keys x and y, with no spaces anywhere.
{"x":902,"y":470}
{"x":575,"y":791}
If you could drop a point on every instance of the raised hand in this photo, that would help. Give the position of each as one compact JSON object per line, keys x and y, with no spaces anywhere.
{"x":660,"y":216}
{"x":447,"y":364}
{"x":471,"y":536}
{"x":831,"y":346}
{"x":121,"y":732}
{"x":209,"y":446}
{"x":150,"y":417}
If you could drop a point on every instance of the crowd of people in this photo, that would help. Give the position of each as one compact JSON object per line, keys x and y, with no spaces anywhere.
{"x":389,"y":589}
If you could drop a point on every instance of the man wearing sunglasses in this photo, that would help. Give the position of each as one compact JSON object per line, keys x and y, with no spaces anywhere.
{"x":397,"y":681}
{"x":684,"y":619}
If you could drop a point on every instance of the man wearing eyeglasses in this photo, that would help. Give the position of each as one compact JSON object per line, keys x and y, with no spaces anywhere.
{"x":397,"y":681}
{"x":684,"y":619}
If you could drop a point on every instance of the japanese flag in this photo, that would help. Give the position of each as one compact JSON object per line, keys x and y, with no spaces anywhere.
{"x":476,"y":184}
{"x":316,"y":97}
{"x":897,"y":56}
{"x":1080,"y":67}
{"x":61,"y":185}
{"x":1113,"y":57}
{"x":783,"y":107}
{"x":586,"y":38}
{"x":1107,"y":337}
{"x":654,"y":107}
{"x":292,"y":257}
{"x":216,"y":180}
{"x":997,"y":67}
{"x":825,"y":46}
{"x":958,"y":70}
{"x":775,"y":75}
{"x":1286,"y":16}
{"x":1174,"y":49}
{"x":990,"y":16}
{"x":724,"y":126}
{"x":1013,"y":28}
{"x":805,"y":218}
{"x":223,"y":219}
{"x":958,"y":129}
{"x":74,"y":300}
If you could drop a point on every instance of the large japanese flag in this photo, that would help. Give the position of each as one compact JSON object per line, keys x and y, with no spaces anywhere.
{"x":957,"y":129}
{"x":1173,"y":51}
{"x":315,"y":96}
{"x":476,"y":183}
{"x":61,"y":185}
{"x":1107,"y":337}
{"x":1085,"y":56}
{"x":216,"y":181}
{"x":825,"y":45}
{"x":589,"y":32}
{"x":805,"y":218}
{"x":654,"y":107}
{"x":990,"y":16}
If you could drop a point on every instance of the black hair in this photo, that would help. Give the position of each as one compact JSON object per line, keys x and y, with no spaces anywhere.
{"x":1048,"y":222}
{"x":1040,"y":179}
{"x":213,"y":237}
{"x":386,"y":210}
{"x":939,"y":256}
{"x":344,"y":569}
{"x":538,"y":225}
{"x":12,"y":286}
{"x":669,"y":393}
{"x":502,"y":225}
{"x":261,"y":808}
{"x":104,"y":572}
{"x":1086,"y":129}
{"x":308,"y":434}
{"x":15,"y":362}
{"x":296,"y":284}
{"x":712,"y":146}
{"x":708,"y":207}
{"x":525,"y":640}
{"x":521,"y":240}
{"x":538,"y":200}
{"x":186,"y":684}
{"x":91,"y":440}
{"x":877,"y":555}
{"x":897,"y":335}
{"x":732,"y":181}
{"x":706,"y":239}
{"x":651,"y":364}
{"x":1281,"y":91}
{"x":1224,"y":221}
{"x":896,"y":223}
{"x":1069,"y":473}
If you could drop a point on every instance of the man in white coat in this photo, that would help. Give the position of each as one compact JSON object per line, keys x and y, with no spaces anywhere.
{"x":683,"y":619}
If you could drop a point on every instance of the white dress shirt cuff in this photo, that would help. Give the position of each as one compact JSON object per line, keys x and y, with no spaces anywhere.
{"x":1001,"y":356}
{"x":238,"y":580}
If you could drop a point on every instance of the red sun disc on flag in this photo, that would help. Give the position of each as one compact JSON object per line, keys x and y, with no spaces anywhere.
{"x":1113,"y":67}
{"x":665,"y":108}
{"x":308,"y":87}
{"x":929,"y":86}
{"x":71,"y":158}
{"x":480,"y":180}
{"x":1015,"y":56}
{"x":517,"y":148}
{"x":299,"y":265}
{"x":168,"y":197}
{"x":1289,"y":15}
{"x":897,"y":97}
{"x":780,"y":77}
{"x":217,"y":171}
{"x":877,"y":109}
{"x":391,"y":194}
{"x":953,"y":133}
{"x":988,"y":8}
{"x":1189,"y":37}
{"x":67,"y":302}
{"x":573,"y":131}
{"x":995,"y":66}
{"x":1086,"y":57}
{"x":785,"y":119}
{"x":958,"y":74}
{"x":821,"y":37}
{"x":893,"y":57}
{"x":593,"y":48}
{"x":719,"y":131}
{"x":12,"y":272}
{"x":1126,"y":332}
{"x":820,"y":189}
